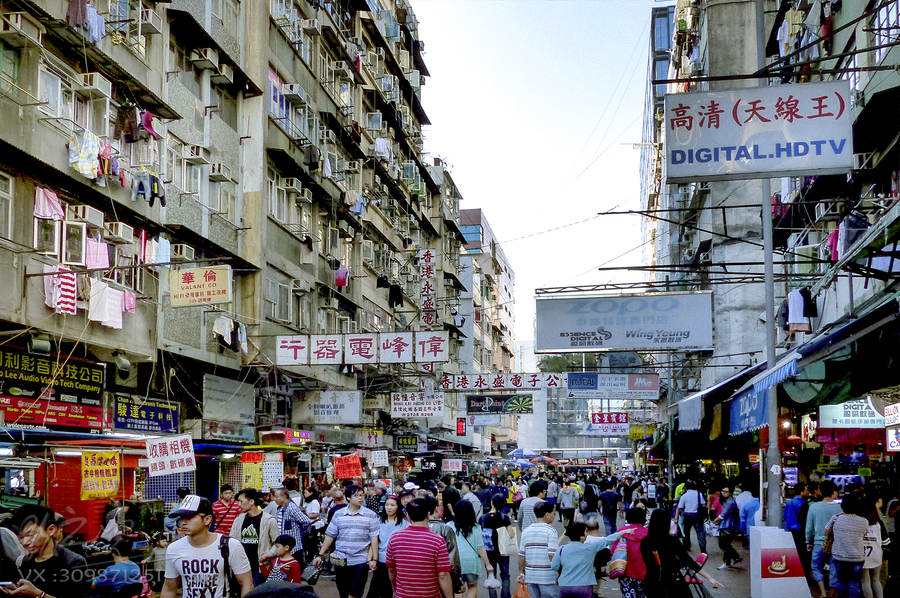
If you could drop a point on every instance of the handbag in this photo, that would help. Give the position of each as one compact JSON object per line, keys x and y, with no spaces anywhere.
{"x":311,"y":574}
{"x":619,"y":560}
{"x":338,"y":561}
{"x":583,"y":507}
{"x":702,"y":511}
{"x":232,"y":587}
{"x":828,"y":542}
{"x":508,"y":543}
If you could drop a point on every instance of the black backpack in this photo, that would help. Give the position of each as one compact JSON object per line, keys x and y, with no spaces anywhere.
{"x":232,"y":587}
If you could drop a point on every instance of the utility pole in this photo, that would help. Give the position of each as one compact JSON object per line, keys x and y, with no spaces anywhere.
{"x":773,"y":454}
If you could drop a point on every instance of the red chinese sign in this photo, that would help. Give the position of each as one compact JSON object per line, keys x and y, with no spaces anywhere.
{"x":348,"y":467}
{"x":30,"y":413}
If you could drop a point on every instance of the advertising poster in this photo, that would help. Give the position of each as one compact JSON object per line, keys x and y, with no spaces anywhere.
{"x":172,"y":454}
{"x":100,"y":473}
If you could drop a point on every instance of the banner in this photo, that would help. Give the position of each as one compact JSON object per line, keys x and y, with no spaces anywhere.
{"x":609,"y":424}
{"x":329,"y":407}
{"x":347,"y":467}
{"x":639,"y":431}
{"x":637,"y":387}
{"x":485,"y":404}
{"x":892,"y":414}
{"x":201,"y":286}
{"x":407,"y":444}
{"x":362,"y":348}
{"x":100,"y":474}
{"x":500,"y":382}
{"x":379,"y":458}
{"x":417,"y":404}
{"x":146,"y":415}
{"x":55,"y":378}
{"x":647,"y":322}
{"x":754,"y":131}
{"x":749,"y":411}
{"x":173,"y":454}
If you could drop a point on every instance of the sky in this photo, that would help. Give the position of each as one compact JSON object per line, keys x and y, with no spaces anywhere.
{"x":535,"y":105}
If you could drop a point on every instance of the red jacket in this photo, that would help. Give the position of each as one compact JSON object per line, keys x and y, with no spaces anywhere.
{"x":634,"y":567}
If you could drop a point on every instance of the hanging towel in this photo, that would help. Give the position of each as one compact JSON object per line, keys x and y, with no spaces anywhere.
{"x":115,"y":307}
{"x":130,"y":302}
{"x":97,"y":254}
{"x":797,"y":321}
{"x":223,"y":327}
{"x":77,"y":13}
{"x":242,"y":338}
{"x":99,"y":301}
{"x":341,"y":277}
{"x":65,"y":292}
{"x":150,"y":252}
{"x":163,"y":252}
{"x":46,"y":205}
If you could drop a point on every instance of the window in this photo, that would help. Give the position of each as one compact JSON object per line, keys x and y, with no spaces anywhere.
{"x":227,"y":11}
{"x":6,"y":200}
{"x":46,"y":236}
{"x":302,"y":307}
{"x":9,"y":68}
{"x":662,"y":30}
{"x":125,"y":21}
{"x":277,"y":301}
{"x":74,"y":240}
{"x":223,"y":199}
{"x":55,"y":90}
{"x":278,"y":104}
{"x":277,"y":195}
{"x":227,"y":107}
{"x":175,"y":161}
{"x":886,"y":25}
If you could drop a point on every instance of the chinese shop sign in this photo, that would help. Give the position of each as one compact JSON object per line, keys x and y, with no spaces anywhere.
{"x":451,"y":465}
{"x":485,"y":404}
{"x":40,"y":413}
{"x":65,"y":379}
{"x":347,"y":467}
{"x":201,"y":286}
{"x":489,"y":382}
{"x":336,"y":349}
{"x":329,"y":407}
{"x":417,"y":404}
{"x":780,"y":130}
{"x":408,"y":444}
{"x":379,"y":458}
{"x":609,"y":424}
{"x":860,"y":413}
{"x":460,"y":426}
{"x":146,"y":415}
{"x":99,"y":474}
{"x":173,"y":454}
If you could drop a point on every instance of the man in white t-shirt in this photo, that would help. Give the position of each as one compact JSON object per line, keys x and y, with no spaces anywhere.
{"x":196,"y":559}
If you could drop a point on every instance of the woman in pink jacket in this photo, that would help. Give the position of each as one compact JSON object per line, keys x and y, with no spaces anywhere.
{"x":632,"y":582}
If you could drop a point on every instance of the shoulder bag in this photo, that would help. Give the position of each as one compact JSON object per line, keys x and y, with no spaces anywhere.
{"x":508,"y":543}
{"x":619,"y":560}
{"x":828,"y":542}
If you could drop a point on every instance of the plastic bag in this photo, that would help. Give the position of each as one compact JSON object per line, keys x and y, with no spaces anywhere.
{"x":711,"y":529}
{"x":521,"y":591}
{"x":491,"y":582}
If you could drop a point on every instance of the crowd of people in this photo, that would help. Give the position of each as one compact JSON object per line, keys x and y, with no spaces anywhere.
{"x":449,"y":536}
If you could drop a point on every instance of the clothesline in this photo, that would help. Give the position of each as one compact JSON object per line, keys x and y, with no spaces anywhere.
{"x":129,"y":267}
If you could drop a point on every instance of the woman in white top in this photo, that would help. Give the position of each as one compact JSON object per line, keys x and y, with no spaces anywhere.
{"x":313,"y":506}
{"x":874,"y":541}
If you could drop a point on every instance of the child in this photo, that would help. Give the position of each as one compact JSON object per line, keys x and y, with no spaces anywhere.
{"x":282,"y":567}
{"x":158,"y":558}
{"x":121,"y":574}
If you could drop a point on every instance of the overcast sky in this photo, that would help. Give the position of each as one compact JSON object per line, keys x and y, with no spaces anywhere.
{"x":535,"y":105}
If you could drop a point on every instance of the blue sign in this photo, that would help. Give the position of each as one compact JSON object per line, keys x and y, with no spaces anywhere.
{"x":749,"y":411}
{"x":582,"y":385}
{"x":137,"y":414}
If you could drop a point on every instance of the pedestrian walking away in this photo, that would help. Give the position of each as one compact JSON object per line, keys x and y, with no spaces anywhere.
{"x":537,"y":548}
{"x":575,"y":561}
{"x":470,"y":543}
{"x":198,"y":559}
{"x":490,"y":525}
{"x":417,"y":558}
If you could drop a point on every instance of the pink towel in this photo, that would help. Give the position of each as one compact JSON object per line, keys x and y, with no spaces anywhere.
{"x":130,"y":302}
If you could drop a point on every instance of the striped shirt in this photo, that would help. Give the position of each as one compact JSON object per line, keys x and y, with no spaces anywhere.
{"x":417,"y":554}
{"x":225,"y":515}
{"x":292,"y":521}
{"x":538,"y":545}
{"x":353,"y":533}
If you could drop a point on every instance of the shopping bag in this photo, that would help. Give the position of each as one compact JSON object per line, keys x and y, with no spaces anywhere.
{"x":711,"y":528}
{"x":619,"y":560}
{"x":311,"y":574}
{"x":521,"y":591}
{"x":509,"y":545}
{"x":491,"y":582}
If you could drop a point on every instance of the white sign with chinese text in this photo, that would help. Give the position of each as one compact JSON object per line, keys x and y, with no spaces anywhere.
{"x":360,"y":348}
{"x":432,"y":346}
{"x":778,"y":130}
{"x":326,"y":349}
{"x":451,"y":465}
{"x":328,"y":407}
{"x":396,"y":347}
{"x":201,"y":286}
{"x":379,"y":458}
{"x":417,"y":404}
{"x":852,"y":414}
{"x":172,"y":454}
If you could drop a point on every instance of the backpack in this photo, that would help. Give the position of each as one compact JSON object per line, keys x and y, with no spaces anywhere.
{"x":232,"y":587}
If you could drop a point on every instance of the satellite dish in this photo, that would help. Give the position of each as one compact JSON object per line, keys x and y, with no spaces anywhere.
{"x":805,"y":386}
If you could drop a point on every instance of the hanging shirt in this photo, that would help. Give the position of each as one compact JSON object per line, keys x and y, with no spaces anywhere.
{"x":223,"y":327}
{"x":797,"y":321}
{"x":130,"y":302}
{"x":99,"y":301}
{"x":341,"y":277}
{"x":46,"y":205}
{"x":114,"y":309}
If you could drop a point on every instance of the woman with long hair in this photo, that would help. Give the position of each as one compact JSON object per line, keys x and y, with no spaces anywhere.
{"x":592,"y":501}
{"x":664,"y":556}
{"x":491,"y":525}
{"x":470,"y":543}
{"x":875,"y":540}
{"x":391,"y":521}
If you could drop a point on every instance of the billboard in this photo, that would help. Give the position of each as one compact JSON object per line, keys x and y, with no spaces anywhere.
{"x":329,"y":407}
{"x":417,"y":404}
{"x":638,"y":387}
{"x":748,"y":133}
{"x":487,"y":404}
{"x":645,"y":322}
{"x":201,"y":286}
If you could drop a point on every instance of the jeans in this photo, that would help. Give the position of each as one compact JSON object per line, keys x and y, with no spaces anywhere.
{"x":576,"y":591}
{"x":592,"y":515}
{"x":543,"y":591}
{"x":846,"y":578}
{"x":692,"y":520}
{"x":729,"y":554}
{"x":818,"y":561}
{"x":610,"y":523}
{"x":501,"y":572}
{"x":140,"y":185}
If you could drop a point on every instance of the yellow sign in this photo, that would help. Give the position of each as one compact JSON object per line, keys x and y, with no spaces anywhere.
{"x":100,"y":473}
{"x":252,"y":475}
{"x":201,"y":286}
{"x":640,"y":431}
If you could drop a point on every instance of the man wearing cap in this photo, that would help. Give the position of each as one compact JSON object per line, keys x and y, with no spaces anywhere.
{"x":197,"y":558}
{"x":354,"y":533}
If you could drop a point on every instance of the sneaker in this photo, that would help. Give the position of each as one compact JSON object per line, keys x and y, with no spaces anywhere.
{"x":736,"y":561}
{"x":723,"y":567}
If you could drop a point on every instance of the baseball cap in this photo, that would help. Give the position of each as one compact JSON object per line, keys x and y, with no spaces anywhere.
{"x":191,"y":505}
{"x":380,"y":485}
{"x":410,"y":486}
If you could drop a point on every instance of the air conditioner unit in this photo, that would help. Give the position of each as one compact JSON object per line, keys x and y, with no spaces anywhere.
{"x":343,"y":71}
{"x":92,"y":216}
{"x":311,"y":27}
{"x":197,"y":154}
{"x":151,"y":22}
{"x":219,"y":172}
{"x":223,"y":76}
{"x":306,"y":195}
{"x":331,"y":303}
{"x":182,"y":252}
{"x":293,"y":185}
{"x":205,"y":58}
{"x":20,"y":29}
{"x":294,"y":93}
{"x":352,"y":166}
{"x":94,"y":84}
{"x":118,"y":233}
{"x":328,"y":136}
{"x":404,"y":60}
{"x":827,"y":210}
{"x":804,"y":258}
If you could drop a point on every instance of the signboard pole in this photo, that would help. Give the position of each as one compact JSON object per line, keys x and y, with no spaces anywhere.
{"x":773,"y":454}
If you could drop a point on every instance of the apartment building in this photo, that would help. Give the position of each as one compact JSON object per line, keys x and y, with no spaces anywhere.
{"x":184,"y":182}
